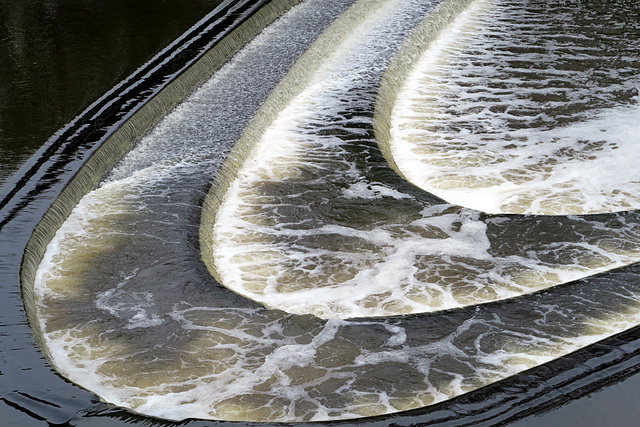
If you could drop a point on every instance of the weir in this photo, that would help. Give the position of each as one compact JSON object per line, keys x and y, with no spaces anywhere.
{"x":137,"y":122}
{"x":497,"y":123}
{"x":126,"y":309}
{"x":290,"y":86}
{"x":30,"y":192}
{"x":407,"y":255}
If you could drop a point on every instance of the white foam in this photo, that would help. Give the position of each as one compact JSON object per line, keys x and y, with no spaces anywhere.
{"x":437,"y":262}
{"x":213,"y":361}
{"x":370,"y":191}
{"x":453,"y":131}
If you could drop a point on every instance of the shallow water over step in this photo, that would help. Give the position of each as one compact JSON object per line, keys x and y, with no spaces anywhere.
{"x":129,"y":311}
{"x":526,"y":107}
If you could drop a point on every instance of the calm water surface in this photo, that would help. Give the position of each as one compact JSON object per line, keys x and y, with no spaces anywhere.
{"x":60,"y":56}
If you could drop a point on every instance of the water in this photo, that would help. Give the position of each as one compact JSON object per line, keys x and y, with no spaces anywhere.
{"x":128,"y":311}
{"x":307,"y":253}
{"x":58,"y":57}
{"x":517,"y":110}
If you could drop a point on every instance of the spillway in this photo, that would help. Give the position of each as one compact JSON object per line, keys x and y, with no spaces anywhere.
{"x":535,"y":122}
{"x":269,"y":252}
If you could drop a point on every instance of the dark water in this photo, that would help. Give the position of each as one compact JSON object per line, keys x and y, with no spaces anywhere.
{"x":57,"y":57}
{"x":32,"y":395}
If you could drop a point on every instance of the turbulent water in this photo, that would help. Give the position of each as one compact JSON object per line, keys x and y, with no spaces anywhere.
{"x":320,"y":238}
{"x":315,"y":224}
{"x":522,"y":111}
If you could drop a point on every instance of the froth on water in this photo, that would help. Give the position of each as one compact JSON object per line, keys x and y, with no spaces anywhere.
{"x":525,"y":108}
{"x":316,"y":225}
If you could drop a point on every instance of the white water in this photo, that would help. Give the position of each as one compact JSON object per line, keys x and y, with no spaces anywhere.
{"x":471,"y":127}
{"x":125,"y":316}
{"x":334,"y":268}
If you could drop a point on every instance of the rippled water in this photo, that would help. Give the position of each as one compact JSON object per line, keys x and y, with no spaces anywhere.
{"x":315,"y":224}
{"x":526,"y":108}
{"x":318,"y":225}
{"x":58,"y":58}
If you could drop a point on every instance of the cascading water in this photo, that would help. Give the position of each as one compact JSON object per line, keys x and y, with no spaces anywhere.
{"x":311,"y":172}
{"x":312,"y":222}
{"x":518,"y":110}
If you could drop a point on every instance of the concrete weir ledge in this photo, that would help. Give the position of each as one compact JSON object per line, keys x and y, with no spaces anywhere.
{"x":122,"y":117}
{"x":129,"y":124}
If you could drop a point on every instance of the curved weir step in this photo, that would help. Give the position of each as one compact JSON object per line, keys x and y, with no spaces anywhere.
{"x":286,"y":234}
{"x":30,"y":388}
{"x":367,"y":296}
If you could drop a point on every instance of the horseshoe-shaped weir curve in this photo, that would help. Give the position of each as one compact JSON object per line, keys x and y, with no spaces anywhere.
{"x":211,"y":354}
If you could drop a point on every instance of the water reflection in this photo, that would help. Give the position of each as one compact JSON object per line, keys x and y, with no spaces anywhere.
{"x":57,"y":57}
